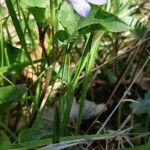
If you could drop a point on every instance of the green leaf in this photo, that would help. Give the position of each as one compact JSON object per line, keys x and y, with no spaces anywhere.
{"x":61,"y":35}
{"x":38,"y":13}
{"x":18,"y":27}
{"x":9,"y":94}
{"x":90,"y":20}
{"x":67,"y":17}
{"x":12,"y":54}
{"x":15,"y":55}
{"x":4,"y":142}
{"x":137,"y":27}
{"x":32,"y":134}
{"x":104,"y":19}
{"x":34,"y":3}
{"x":114,"y":24}
{"x":97,"y":20}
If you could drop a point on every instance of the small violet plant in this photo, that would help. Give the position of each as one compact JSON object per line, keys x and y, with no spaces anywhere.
{"x":82,"y":7}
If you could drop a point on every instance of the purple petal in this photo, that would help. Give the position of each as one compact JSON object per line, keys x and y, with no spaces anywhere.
{"x":81,"y":7}
{"x":97,"y":2}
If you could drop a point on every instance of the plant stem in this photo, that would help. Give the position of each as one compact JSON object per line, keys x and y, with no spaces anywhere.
{"x":90,"y":64}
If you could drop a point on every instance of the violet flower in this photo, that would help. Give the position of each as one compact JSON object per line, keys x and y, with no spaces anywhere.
{"x":82,"y":7}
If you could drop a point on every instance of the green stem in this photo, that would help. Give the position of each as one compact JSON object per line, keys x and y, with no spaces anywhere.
{"x":8,"y":130}
{"x":90,"y":64}
{"x":53,"y":22}
{"x":1,"y":41}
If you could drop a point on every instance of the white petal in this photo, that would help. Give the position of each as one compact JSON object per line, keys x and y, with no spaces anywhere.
{"x":97,"y":2}
{"x":81,"y":7}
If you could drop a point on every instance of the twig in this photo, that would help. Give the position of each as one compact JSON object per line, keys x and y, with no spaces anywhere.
{"x":124,"y":95}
